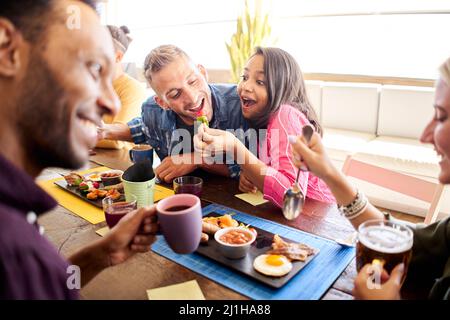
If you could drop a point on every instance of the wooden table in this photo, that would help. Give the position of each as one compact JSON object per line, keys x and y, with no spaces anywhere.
{"x":131,"y":279}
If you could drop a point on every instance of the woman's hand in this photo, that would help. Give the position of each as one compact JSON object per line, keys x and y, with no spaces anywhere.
{"x":311,"y":155}
{"x":245,"y":185}
{"x":374,"y":283}
{"x":210,"y":142}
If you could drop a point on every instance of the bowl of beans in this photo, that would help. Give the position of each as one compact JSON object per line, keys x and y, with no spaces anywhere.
{"x":234,"y":242}
{"x":111,"y":177}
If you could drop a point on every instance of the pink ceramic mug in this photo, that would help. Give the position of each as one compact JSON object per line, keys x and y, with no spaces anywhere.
{"x":180,"y":219}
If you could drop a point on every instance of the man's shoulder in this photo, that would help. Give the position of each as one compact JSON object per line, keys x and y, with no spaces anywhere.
{"x":152,"y":113}
{"x":27,"y":260}
{"x":225,"y":91}
{"x":17,"y":235}
{"x":151,"y":105}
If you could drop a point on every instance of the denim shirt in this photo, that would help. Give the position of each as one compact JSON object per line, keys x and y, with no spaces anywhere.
{"x":157,"y":127}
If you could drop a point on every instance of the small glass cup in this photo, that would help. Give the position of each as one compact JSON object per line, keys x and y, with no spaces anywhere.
{"x":116,"y":209}
{"x":188,"y":184}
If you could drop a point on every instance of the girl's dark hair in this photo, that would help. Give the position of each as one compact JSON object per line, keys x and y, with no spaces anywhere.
{"x":285,"y":85}
{"x":121,"y":37}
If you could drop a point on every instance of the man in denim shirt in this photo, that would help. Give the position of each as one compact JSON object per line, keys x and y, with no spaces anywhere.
{"x":168,"y":118}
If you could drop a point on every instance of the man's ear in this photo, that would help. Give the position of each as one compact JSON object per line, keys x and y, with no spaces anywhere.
{"x":203,"y":71}
{"x":162,"y":103}
{"x":10,"y":39}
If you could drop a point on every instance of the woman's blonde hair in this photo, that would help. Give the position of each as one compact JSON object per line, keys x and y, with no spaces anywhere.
{"x":445,"y":71}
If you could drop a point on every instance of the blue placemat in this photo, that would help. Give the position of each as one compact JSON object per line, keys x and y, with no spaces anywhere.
{"x":309,"y":284}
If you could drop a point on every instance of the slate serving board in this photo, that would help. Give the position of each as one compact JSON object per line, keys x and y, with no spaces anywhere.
{"x":262,"y":244}
{"x":75,"y":191}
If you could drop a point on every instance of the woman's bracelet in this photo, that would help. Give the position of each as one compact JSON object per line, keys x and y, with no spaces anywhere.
{"x":356,"y":207}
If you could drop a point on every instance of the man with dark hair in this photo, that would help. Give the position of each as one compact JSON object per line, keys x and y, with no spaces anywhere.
{"x":55,"y":85}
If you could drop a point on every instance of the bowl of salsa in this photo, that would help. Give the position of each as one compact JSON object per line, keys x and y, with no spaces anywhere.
{"x":234,"y":242}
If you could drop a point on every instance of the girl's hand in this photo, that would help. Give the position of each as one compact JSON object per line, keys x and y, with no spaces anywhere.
{"x":245,"y":185}
{"x":311,"y":155}
{"x":210,"y":142}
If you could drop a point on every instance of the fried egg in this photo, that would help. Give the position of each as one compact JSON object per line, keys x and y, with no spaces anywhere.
{"x":94,"y":177}
{"x":272,"y":265}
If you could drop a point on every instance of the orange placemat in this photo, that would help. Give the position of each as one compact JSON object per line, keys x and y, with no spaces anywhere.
{"x":84,"y":209}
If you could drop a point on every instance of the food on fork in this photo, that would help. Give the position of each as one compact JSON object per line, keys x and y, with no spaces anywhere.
{"x":272,"y":265}
{"x":293,"y":251}
{"x":202,"y":118}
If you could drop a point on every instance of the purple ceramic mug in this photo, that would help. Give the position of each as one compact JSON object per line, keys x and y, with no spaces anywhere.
{"x":180,"y":219}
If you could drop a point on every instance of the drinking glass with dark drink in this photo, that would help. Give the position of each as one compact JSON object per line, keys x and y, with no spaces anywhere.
{"x":117,"y":209}
{"x":188,"y":184}
{"x":384,"y":242}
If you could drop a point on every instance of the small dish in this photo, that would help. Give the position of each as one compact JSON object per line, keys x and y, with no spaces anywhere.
{"x":111,"y":177}
{"x":235,"y":250}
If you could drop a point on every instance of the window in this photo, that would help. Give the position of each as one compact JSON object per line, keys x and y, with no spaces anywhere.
{"x":381,"y":38}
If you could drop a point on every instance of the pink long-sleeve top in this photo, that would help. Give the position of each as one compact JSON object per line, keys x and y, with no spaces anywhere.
{"x":275,"y":152}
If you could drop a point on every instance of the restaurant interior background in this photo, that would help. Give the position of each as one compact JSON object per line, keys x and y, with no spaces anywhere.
{"x":370,"y":68}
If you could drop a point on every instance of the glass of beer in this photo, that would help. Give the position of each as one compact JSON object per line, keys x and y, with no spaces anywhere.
{"x":385,"y":242}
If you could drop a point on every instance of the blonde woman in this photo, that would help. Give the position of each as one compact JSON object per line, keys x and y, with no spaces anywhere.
{"x":430,"y":264}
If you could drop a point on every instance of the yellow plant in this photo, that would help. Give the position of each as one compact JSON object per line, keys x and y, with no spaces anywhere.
{"x":252,"y":30}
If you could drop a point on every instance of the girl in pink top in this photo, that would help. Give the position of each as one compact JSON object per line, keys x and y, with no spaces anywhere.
{"x":273,"y":97}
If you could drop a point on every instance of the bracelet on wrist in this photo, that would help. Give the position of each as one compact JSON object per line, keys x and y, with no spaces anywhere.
{"x":356,"y":207}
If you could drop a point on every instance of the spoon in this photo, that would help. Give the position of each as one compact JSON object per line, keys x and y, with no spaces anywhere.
{"x":294,"y":199}
{"x":349,"y":241}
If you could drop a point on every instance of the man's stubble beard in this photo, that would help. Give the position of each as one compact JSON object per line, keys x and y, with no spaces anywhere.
{"x":44,"y":119}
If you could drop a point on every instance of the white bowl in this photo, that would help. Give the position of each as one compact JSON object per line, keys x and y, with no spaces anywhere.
{"x":109,"y":181}
{"x":234,"y":251}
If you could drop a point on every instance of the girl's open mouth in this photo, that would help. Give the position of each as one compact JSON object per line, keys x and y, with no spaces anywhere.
{"x":247,"y":103}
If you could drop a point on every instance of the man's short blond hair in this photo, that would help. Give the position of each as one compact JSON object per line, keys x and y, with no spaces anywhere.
{"x":160,"y":57}
{"x":445,"y":71}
